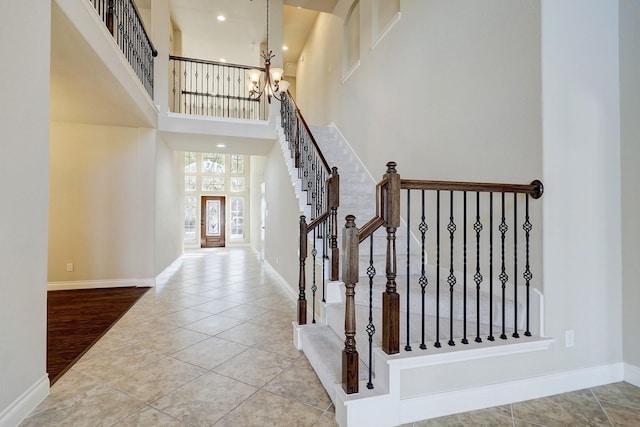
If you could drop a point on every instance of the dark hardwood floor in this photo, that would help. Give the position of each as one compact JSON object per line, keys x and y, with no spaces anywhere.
{"x":76,"y":319}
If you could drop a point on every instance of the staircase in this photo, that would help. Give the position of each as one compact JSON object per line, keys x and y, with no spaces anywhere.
{"x":323,"y":342}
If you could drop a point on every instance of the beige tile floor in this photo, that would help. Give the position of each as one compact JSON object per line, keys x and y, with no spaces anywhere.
{"x":212,"y":345}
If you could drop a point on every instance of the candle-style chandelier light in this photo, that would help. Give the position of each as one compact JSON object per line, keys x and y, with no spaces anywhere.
{"x":270,"y":82}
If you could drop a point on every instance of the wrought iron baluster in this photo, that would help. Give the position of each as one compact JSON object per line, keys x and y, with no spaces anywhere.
{"x":515,"y":266}
{"x":451,"y":279}
{"x":314,"y":286}
{"x":173,"y":103}
{"x":464,"y":268}
{"x":325,"y":257}
{"x":491,"y":337}
{"x":408,"y":346}
{"x":437,"y":343}
{"x":527,"y":271}
{"x":202,"y":89}
{"x":477,"y":277}
{"x":371,"y":329}
{"x":423,"y":281}
{"x":187,"y":74}
{"x":503,"y":273}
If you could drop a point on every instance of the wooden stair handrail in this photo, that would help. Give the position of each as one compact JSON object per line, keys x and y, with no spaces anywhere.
{"x":535,"y":189}
{"x":313,"y":140}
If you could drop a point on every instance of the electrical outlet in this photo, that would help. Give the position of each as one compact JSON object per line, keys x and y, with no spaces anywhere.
{"x":70,"y":266}
{"x":568,"y":338}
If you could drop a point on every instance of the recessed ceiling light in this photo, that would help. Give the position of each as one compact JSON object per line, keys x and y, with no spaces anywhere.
{"x":223,"y":60}
{"x":285,"y":47}
{"x":220,"y":145}
{"x":221,"y":18}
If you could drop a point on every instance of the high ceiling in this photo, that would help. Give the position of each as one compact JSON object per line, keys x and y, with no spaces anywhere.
{"x":240,"y":38}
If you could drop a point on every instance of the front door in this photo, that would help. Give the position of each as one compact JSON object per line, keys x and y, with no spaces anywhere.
{"x":212,"y":222}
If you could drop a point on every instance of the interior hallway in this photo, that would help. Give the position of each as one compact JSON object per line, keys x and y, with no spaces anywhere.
{"x":212,"y":345}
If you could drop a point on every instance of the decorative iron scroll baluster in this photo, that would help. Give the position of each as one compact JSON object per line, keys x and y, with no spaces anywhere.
{"x":173,"y":89}
{"x":477,"y":277}
{"x":515,"y":266}
{"x":451,"y":279}
{"x":527,"y":270}
{"x":408,"y":346}
{"x":423,"y":281}
{"x":491,"y":337}
{"x":371,"y":329}
{"x":437,"y":343}
{"x":503,"y":273}
{"x":314,"y":287}
{"x":464,"y":268}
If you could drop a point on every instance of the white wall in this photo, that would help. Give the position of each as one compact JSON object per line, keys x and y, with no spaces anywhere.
{"x":24,"y":174}
{"x":283,"y":218}
{"x":456,"y":83}
{"x":255,"y":197}
{"x":582,"y":277}
{"x":630,"y":156}
{"x":169,"y":208}
{"x":102,"y":203}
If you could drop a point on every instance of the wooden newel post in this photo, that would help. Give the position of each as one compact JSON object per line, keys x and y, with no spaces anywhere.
{"x":350,"y":245}
{"x":302,"y":299}
{"x":334,"y":203}
{"x":391,"y":298}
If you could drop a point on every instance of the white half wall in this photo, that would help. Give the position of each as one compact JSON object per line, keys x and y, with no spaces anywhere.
{"x":24,"y":189}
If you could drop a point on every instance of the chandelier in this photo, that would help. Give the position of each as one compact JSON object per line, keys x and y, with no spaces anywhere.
{"x":270,"y":83}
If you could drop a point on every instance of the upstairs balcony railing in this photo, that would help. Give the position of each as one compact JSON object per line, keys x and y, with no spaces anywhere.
{"x":215,"y":89}
{"x":122,"y":19}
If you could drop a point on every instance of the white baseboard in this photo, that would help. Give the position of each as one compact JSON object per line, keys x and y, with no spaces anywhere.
{"x":281,"y":281}
{"x":632,"y":374}
{"x":23,"y":405}
{"x":290,"y":290}
{"x":96,"y":284}
{"x":442,"y":404}
{"x":390,"y":410}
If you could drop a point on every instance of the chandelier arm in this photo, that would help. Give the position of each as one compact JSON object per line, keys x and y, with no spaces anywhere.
{"x":270,"y":86}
